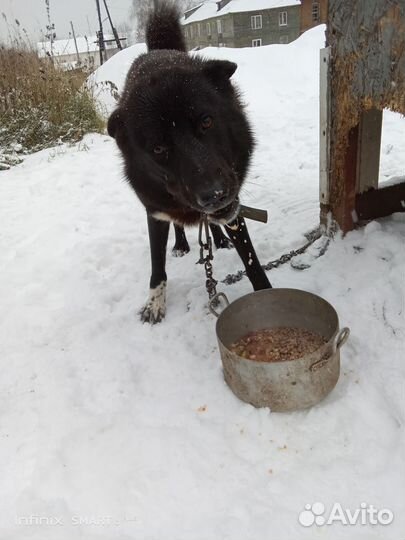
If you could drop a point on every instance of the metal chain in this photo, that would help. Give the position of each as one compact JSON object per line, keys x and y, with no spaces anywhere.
{"x":311,"y":237}
{"x":206,"y":246}
{"x":211,"y":283}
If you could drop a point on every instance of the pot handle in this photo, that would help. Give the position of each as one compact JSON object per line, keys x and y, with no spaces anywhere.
{"x":214,"y":301}
{"x":343,"y":336}
{"x":340,"y":341}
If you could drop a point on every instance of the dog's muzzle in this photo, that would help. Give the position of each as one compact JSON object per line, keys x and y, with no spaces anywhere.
{"x":225,"y":215}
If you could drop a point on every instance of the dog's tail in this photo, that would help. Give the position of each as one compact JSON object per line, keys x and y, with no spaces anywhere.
{"x":163,"y":29}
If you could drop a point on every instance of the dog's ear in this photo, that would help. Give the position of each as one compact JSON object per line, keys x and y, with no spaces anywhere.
{"x":115,"y":122}
{"x":219,"y":71}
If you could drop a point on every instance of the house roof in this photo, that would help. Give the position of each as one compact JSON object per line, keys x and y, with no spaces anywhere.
{"x":209,"y":8}
{"x":204,"y":11}
{"x":238,"y":6}
{"x":63,"y":47}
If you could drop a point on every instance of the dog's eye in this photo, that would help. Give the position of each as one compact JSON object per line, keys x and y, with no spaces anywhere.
{"x":159,"y":150}
{"x":206,"y":122}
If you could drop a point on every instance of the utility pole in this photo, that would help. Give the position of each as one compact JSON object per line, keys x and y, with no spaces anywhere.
{"x":114,"y":30}
{"x":74,"y":39}
{"x":100,"y":34}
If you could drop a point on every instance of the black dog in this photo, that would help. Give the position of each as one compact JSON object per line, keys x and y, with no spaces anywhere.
{"x":186,"y":144}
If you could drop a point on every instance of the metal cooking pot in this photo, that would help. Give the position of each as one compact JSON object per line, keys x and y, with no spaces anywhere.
{"x":283,"y":385}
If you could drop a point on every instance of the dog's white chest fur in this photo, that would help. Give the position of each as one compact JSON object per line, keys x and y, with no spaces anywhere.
{"x":162,"y":216}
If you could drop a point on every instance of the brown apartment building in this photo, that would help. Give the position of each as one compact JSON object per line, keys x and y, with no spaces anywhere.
{"x":313,"y":12}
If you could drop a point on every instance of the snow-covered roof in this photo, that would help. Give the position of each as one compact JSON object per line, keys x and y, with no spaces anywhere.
{"x":205,"y":11}
{"x":238,"y":6}
{"x":209,"y":8}
{"x":63,"y":47}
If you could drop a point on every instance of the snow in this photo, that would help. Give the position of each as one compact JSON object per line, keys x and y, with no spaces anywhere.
{"x":115,"y":430}
{"x":114,"y":70}
{"x":205,"y":11}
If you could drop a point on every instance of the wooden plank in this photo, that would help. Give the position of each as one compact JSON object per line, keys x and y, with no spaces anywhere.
{"x":369,"y":148}
{"x":369,"y":37}
{"x":324,"y":131}
{"x":377,"y":203}
{"x":344,"y":205}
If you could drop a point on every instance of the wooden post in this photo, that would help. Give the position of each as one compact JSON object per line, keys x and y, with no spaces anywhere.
{"x":369,"y":148}
{"x":324,"y":132}
{"x":366,"y":74}
{"x":361,"y":166}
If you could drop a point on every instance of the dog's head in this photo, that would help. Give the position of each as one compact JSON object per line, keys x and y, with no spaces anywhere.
{"x":181,"y":127}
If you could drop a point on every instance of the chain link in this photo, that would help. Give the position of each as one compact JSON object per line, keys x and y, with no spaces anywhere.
{"x":206,"y":246}
{"x":312,"y":237}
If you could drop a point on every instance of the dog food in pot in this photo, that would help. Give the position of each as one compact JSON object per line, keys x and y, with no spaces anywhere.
{"x":277,"y":344}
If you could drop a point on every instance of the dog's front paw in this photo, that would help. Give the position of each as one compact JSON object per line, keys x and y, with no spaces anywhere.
{"x":150,"y":314}
{"x":154,"y":310}
{"x":180,"y":251}
{"x":181,"y":246}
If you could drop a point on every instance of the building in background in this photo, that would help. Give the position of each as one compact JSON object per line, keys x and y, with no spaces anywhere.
{"x":242,"y":23}
{"x":313,"y":12}
{"x":250,"y":23}
{"x":87,"y":55}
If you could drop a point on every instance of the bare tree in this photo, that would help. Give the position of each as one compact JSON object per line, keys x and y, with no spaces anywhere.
{"x":126,"y":29}
{"x":138,"y":14}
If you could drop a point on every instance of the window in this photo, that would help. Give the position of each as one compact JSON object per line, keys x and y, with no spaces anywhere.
{"x":199,"y":29}
{"x":282,"y":18}
{"x":256,"y":22}
{"x":284,"y":39}
{"x":315,"y":11}
{"x":256,"y":43}
{"x":219,"y":26}
{"x":208,"y":29}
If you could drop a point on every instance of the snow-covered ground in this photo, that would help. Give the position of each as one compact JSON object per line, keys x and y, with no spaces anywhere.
{"x":116,"y":430}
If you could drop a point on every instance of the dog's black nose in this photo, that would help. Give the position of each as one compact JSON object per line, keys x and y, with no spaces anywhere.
{"x":212,"y":199}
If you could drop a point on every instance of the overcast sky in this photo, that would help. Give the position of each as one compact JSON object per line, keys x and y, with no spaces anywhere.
{"x":32,"y":15}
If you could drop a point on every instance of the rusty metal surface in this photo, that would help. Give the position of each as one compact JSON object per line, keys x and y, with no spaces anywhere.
{"x":381,"y":203}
